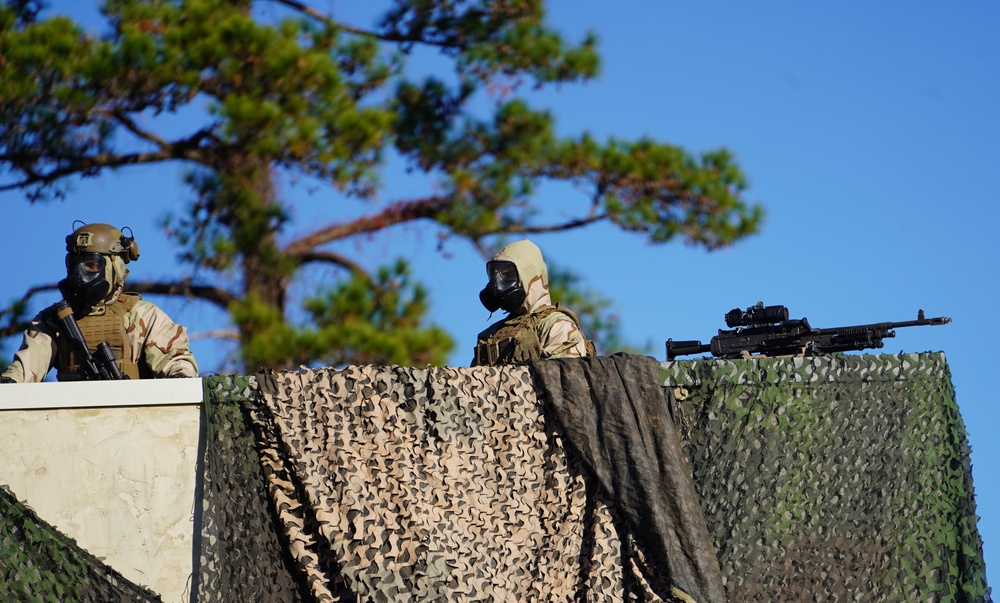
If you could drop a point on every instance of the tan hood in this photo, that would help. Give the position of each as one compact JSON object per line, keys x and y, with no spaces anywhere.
{"x":116,"y":273}
{"x":531,"y":270}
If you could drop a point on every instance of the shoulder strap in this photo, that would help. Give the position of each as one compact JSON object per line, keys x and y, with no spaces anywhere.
{"x":129,"y":299}
{"x":538,"y":317}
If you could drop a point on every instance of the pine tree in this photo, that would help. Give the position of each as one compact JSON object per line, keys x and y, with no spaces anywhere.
{"x":281,"y":89}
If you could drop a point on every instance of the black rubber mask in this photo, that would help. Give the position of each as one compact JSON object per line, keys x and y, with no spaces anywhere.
{"x":85,"y":283}
{"x":504,"y":289}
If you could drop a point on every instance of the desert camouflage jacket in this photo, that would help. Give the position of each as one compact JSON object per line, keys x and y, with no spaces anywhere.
{"x":559,"y":334}
{"x":154,"y":342}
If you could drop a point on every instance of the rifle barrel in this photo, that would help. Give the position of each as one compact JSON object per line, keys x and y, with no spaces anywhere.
{"x":887,"y":326}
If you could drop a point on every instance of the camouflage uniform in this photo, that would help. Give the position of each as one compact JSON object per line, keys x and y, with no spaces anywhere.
{"x":155,"y":343}
{"x":537,"y":329}
{"x":145,"y":342}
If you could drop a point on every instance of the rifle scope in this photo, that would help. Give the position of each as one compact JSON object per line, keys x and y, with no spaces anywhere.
{"x":756,"y":315}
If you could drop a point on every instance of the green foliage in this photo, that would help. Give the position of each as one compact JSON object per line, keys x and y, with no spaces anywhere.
{"x":376,"y":323}
{"x":357,"y":321}
{"x":288,"y":94}
{"x":490,"y":38}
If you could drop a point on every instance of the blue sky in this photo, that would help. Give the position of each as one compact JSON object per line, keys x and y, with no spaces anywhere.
{"x":870,"y":132}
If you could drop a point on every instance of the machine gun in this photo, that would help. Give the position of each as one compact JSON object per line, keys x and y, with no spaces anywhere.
{"x":767,"y":331}
{"x":103,"y":366}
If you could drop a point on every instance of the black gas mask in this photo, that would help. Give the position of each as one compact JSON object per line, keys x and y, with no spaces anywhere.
{"x":86,"y":282}
{"x":504,"y":289}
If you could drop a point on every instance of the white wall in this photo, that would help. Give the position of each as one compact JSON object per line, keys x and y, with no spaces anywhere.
{"x":113,"y":466}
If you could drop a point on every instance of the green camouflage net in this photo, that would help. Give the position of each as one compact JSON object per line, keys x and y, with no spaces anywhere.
{"x":239,"y":554}
{"x":835,"y":478}
{"x":42,"y":564}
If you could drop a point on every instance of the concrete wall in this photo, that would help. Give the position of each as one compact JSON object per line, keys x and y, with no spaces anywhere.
{"x":113,"y":466}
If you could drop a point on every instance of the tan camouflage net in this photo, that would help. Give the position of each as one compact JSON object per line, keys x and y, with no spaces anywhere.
{"x":440,"y":484}
{"x":837,"y":478}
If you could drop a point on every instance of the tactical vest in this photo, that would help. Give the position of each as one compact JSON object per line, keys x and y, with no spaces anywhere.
{"x":105,"y":324}
{"x":516,"y":339}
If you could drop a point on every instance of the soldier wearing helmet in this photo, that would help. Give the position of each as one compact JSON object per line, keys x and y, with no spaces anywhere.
{"x":145,"y":342}
{"x":534,"y":327}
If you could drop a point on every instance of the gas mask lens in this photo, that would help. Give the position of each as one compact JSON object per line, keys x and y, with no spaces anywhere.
{"x":92,"y":265}
{"x":503,"y":275}
{"x":85,"y":266}
{"x":85,"y":283}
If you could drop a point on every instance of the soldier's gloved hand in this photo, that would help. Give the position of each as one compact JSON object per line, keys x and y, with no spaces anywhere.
{"x":7,"y":380}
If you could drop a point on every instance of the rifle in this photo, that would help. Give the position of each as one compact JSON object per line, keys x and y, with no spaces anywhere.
{"x":767,"y":331}
{"x":103,"y":366}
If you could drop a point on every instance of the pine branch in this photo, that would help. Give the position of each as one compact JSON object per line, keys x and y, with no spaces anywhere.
{"x":394,"y":37}
{"x":75,"y":165}
{"x":570,"y":225}
{"x":215,"y":295}
{"x":17,"y":327}
{"x":397,"y":213}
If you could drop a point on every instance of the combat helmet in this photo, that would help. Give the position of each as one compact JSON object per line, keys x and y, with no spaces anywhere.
{"x":104,"y":239}
{"x":96,"y":255}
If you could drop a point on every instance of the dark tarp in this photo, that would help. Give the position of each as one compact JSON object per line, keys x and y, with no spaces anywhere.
{"x":618,"y":418}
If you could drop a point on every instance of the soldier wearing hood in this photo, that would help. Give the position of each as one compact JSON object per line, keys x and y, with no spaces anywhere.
{"x":534,"y":327}
{"x":143,"y":339}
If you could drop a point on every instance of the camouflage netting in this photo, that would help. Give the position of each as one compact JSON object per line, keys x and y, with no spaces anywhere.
{"x":42,"y":564}
{"x":443,"y":484}
{"x":837,"y":478}
{"x":841,"y":478}
{"x":240,"y":554}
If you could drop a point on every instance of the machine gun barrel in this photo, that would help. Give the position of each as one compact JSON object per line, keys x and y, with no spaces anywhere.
{"x":921,"y":321}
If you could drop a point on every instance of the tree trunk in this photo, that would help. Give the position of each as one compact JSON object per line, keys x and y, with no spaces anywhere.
{"x":257,"y":216}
